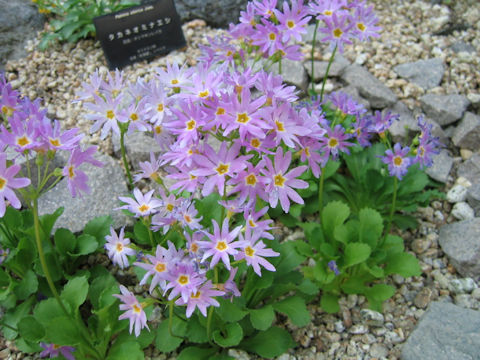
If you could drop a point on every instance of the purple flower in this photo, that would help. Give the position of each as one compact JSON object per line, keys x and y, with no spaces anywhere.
{"x":149,"y":169}
{"x":118,"y":247}
{"x":382,"y":122}
{"x":76,"y":178}
{"x":53,"y":350}
{"x":222,"y":244}
{"x":24,"y":132}
{"x":202,"y":298}
{"x":248,"y":183}
{"x":3,"y":254}
{"x":158,"y":266}
{"x":142,"y":205}
{"x":280,"y":183}
{"x":365,"y":22}
{"x":332,"y":265}
{"x":337,"y":30}
{"x":254,"y":251}
{"x":55,"y":139}
{"x":397,"y":160}
{"x":346,"y":103}
{"x":133,"y":311}
{"x":106,"y":114}
{"x":8,"y":182}
{"x":335,"y":142}
{"x":292,"y":20}
{"x":183,"y":280}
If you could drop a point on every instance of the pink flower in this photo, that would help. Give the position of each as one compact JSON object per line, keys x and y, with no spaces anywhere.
{"x":8,"y":183}
{"x":118,"y":247}
{"x":202,"y":298}
{"x":133,"y":311}
{"x":254,"y":251}
{"x":143,"y":205}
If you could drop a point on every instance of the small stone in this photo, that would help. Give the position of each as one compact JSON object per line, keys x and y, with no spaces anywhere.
{"x":463,"y":181}
{"x":339,"y":327}
{"x":457,"y":194}
{"x":462,"y":211}
{"x":241,"y":355}
{"x":476,"y":293}
{"x":465,"y":301}
{"x":467,"y":133}
{"x":461,"y":286}
{"x":444,"y":109}
{"x":394,"y":337}
{"x":372,"y":318}
{"x":420,"y":245}
{"x":4,"y":353}
{"x":358,"y":329}
{"x":440,"y":169}
{"x":378,"y":350}
{"x":423,"y":298}
{"x":425,"y":73}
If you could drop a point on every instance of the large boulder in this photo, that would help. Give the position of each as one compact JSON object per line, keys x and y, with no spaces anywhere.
{"x":19,"y":22}
{"x":217,"y":13}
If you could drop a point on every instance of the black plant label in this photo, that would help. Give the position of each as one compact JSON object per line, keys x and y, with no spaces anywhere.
{"x":139,"y":33}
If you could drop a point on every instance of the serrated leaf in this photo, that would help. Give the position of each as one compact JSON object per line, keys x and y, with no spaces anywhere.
{"x":99,"y":227}
{"x":270,"y":343}
{"x":231,"y":335}
{"x":294,"y":307}
{"x":356,"y":253}
{"x":403,"y":264}
{"x":65,"y":241}
{"x":27,"y":286}
{"x":334,"y":213}
{"x":370,"y":227}
{"x":329,"y":303}
{"x":75,"y":292}
{"x":262,"y":318}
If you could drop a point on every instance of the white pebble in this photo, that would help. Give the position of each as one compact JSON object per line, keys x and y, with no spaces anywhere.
{"x":457,"y":194}
{"x":462,"y":211}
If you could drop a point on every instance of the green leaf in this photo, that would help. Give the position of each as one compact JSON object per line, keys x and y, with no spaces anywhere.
{"x":63,"y":331}
{"x":128,"y":350}
{"x":5,"y":284}
{"x":13,"y":317}
{"x":356,"y":253}
{"x":334,"y":213}
{"x":308,"y":287}
{"x":141,"y":233}
{"x":377,"y":294}
{"x":313,"y":233}
{"x":86,"y":244}
{"x":294,"y":307}
{"x":270,"y":343}
{"x":262,"y":318}
{"x":370,"y":227}
{"x":231,"y":335}
{"x":48,"y":309}
{"x":230,"y":311}
{"x":330,"y":168}
{"x":27,"y":286}
{"x":164,"y":341}
{"x":31,"y":329}
{"x":47,"y":221}
{"x":208,"y":207}
{"x":196,"y":353}
{"x":403,"y":263}
{"x":12,"y":218}
{"x":99,"y":285}
{"x":99,"y":227}
{"x":75,"y":292}
{"x":65,"y":241}
{"x":329,"y":303}
{"x":196,"y":332}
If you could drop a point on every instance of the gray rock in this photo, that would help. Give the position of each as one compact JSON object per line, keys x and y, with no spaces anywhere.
{"x":462,"y":211}
{"x":442,"y":164}
{"x":217,"y":13}
{"x":106,"y":184}
{"x":320,"y":68}
{"x":308,"y":37}
{"x":457,"y":194}
{"x":353,"y":92}
{"x":460,"y":46}
{"x":378,"y":351}
{"x":373,"y":318}
{"x":467,"y":132}
{"x":444,"y":109}
{"x":461,"y":286}
{"x":369,"y":87}
{"x":459,"y":241}
{"x":444,"y":332}
{"x":293,"y":73}
{"x":138,"y":146}
{"x":425,"y":73}
{"x":19,"y":22}
{"x":473,"y":197}
{"x":470,"y":169}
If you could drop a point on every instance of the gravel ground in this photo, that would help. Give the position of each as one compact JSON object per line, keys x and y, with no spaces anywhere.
{"x":411,"y":31}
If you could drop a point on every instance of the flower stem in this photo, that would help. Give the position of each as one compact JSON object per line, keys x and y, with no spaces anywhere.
{"x":124,"y":158}
{"x":326,"y":72}
{"x":320,"y":192}
{"x":392,"y":209}
{"x":312,"y":55}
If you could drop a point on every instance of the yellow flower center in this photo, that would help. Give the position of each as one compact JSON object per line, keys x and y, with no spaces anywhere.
{"x":187,"y":218}
{"x":332,"y":142}
{"x":23,"y":141}
{"x":279,"y":180}
{"x":269,"y":101}
{"x":221,"y":245}
{"x":238,"y":89}
{"x":194,"y":248}
{"x":222,"y":169}
{"x":71,"y":173}
{"x":280,"y":126}
{"x":422,"y":151}
{"x":243,"y":118}
{"x":255,"y":143}
{"x":158,"y":129}
{"x":327,"y":12}
{"x":397,"y":160}
{"x":251,"y":223}
{"x":291,"y":24}
{"x":361,"y":27}
{"x":249,"y":251}
{"x":170,"y":207}
{"x":7,"y":110}
{"x":307,"y":151}
{"x":3,"y":182}
{"x":191,"y":124}
{"x":134,"y":117}
{"x":203,"y":94}
{"x":160,"y":267}
{"x":55,"y":142}
{"x":136,"y":309}
{"x":160,"y":107}
{"x":174,"y":82}
{"x":110,"y":114}
{"x":272,"y":36}
{"x":337,"y":32}
{"x":220,"y":111}
{"x":196,"y":295}
{"x":119,"y":247}
{"x":251,"y":179}
{"x":143,"y":208}
{"x":183,"y":280}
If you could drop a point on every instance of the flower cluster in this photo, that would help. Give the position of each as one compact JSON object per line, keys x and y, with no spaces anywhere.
{"x":29,"y":133}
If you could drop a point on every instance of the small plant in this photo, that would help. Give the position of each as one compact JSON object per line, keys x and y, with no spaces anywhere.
{"x":71,"y":20}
